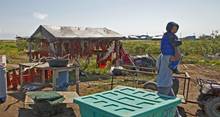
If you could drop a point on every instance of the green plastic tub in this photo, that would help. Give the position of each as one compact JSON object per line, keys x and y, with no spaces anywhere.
{"x":127,"y":102}
{"x":58,"y":62}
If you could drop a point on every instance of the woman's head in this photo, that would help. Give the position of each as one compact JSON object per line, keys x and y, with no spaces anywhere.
{"x":172,"y":27}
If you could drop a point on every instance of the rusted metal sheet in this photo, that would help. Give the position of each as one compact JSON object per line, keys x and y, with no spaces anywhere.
{"x":52,"y":33}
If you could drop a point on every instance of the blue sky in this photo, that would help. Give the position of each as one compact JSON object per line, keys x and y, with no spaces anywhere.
{"x":22,"y":17}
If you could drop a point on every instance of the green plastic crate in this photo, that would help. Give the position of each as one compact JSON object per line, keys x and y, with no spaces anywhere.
{"x":127,"y":102}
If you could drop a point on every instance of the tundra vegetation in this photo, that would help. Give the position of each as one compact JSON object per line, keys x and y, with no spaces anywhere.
{"x":202,"y":51}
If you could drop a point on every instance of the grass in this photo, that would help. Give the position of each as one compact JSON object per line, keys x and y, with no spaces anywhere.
{"x":9,"y":48}
{"x":14,"y":54}
{"x":139,"y":47}
{"x":195,"y":52}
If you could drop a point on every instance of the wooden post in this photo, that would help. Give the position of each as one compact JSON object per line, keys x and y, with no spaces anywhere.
{"x":43,"y":76}
{"x":55,"y":76}
{"x":70,"y":49}
{"x":68,"y":75}
{"x":61,"y":49}
{"x":29,"y":51}
{"x":21,"y":74}
{"x":77,"y":70}
{"x":117,"y":45}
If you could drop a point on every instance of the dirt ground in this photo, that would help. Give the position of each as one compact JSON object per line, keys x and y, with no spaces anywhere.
{"x":13,"y":107}
{"x":197,"y":71}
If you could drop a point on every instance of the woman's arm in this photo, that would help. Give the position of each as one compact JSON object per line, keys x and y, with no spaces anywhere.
{"x":174,"y":40}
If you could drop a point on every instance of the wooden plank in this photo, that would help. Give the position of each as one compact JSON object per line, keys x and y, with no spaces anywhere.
{"x":44,"y":65}
{"x":145,"y":68}
{"x":29,"y":51}
{"x":135,"y":71}
{"x":117,"y":45}
{"x":77,"y":79}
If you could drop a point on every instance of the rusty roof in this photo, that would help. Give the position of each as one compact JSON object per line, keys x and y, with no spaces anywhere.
{"x":49,"y":31}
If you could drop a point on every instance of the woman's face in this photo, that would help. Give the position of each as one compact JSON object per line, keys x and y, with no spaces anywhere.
{"x":174,"y":29}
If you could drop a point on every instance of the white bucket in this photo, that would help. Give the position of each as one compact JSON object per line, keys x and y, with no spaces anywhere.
{"x":3,"y":60}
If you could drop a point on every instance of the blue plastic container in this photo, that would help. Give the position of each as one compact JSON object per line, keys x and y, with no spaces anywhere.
{"x":127,"y":102}
{"x":62,"y":81}
{"x":3,"y":85}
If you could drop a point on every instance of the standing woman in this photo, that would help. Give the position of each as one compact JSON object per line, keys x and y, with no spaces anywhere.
{"x":165,"y":74}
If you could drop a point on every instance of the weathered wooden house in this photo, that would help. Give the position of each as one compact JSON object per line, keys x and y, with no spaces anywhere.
{"x":64,"y":42}
{"x":59,"y":41}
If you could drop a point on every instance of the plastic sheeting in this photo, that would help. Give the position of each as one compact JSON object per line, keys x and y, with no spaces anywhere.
{"x":51,"y":97}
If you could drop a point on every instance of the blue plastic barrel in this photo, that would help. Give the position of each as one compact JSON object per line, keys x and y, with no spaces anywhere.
{"x":3,"y":84}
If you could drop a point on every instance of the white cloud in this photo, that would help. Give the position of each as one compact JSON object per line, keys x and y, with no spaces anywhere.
{"x":40,"y":16}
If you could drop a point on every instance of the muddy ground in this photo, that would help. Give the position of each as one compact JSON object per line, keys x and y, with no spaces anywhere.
{"x":13,"y":107}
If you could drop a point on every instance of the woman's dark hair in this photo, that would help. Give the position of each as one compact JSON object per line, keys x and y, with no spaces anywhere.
{"x":170,"y":25}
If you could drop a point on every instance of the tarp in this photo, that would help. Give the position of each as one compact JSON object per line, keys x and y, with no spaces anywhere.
{"x":51,"y":97}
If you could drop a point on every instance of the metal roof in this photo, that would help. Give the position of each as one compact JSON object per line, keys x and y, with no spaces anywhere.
{"x":48,"y":31}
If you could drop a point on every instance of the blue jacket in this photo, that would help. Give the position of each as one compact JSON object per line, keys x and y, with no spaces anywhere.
{"x":166,"y":46}
{"x":169,"y":41}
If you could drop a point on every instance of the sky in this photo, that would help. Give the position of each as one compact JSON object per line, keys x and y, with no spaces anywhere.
{"x":128,"y":17}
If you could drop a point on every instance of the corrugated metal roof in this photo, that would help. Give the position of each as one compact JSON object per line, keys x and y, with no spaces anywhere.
{"x":80,"y":32}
